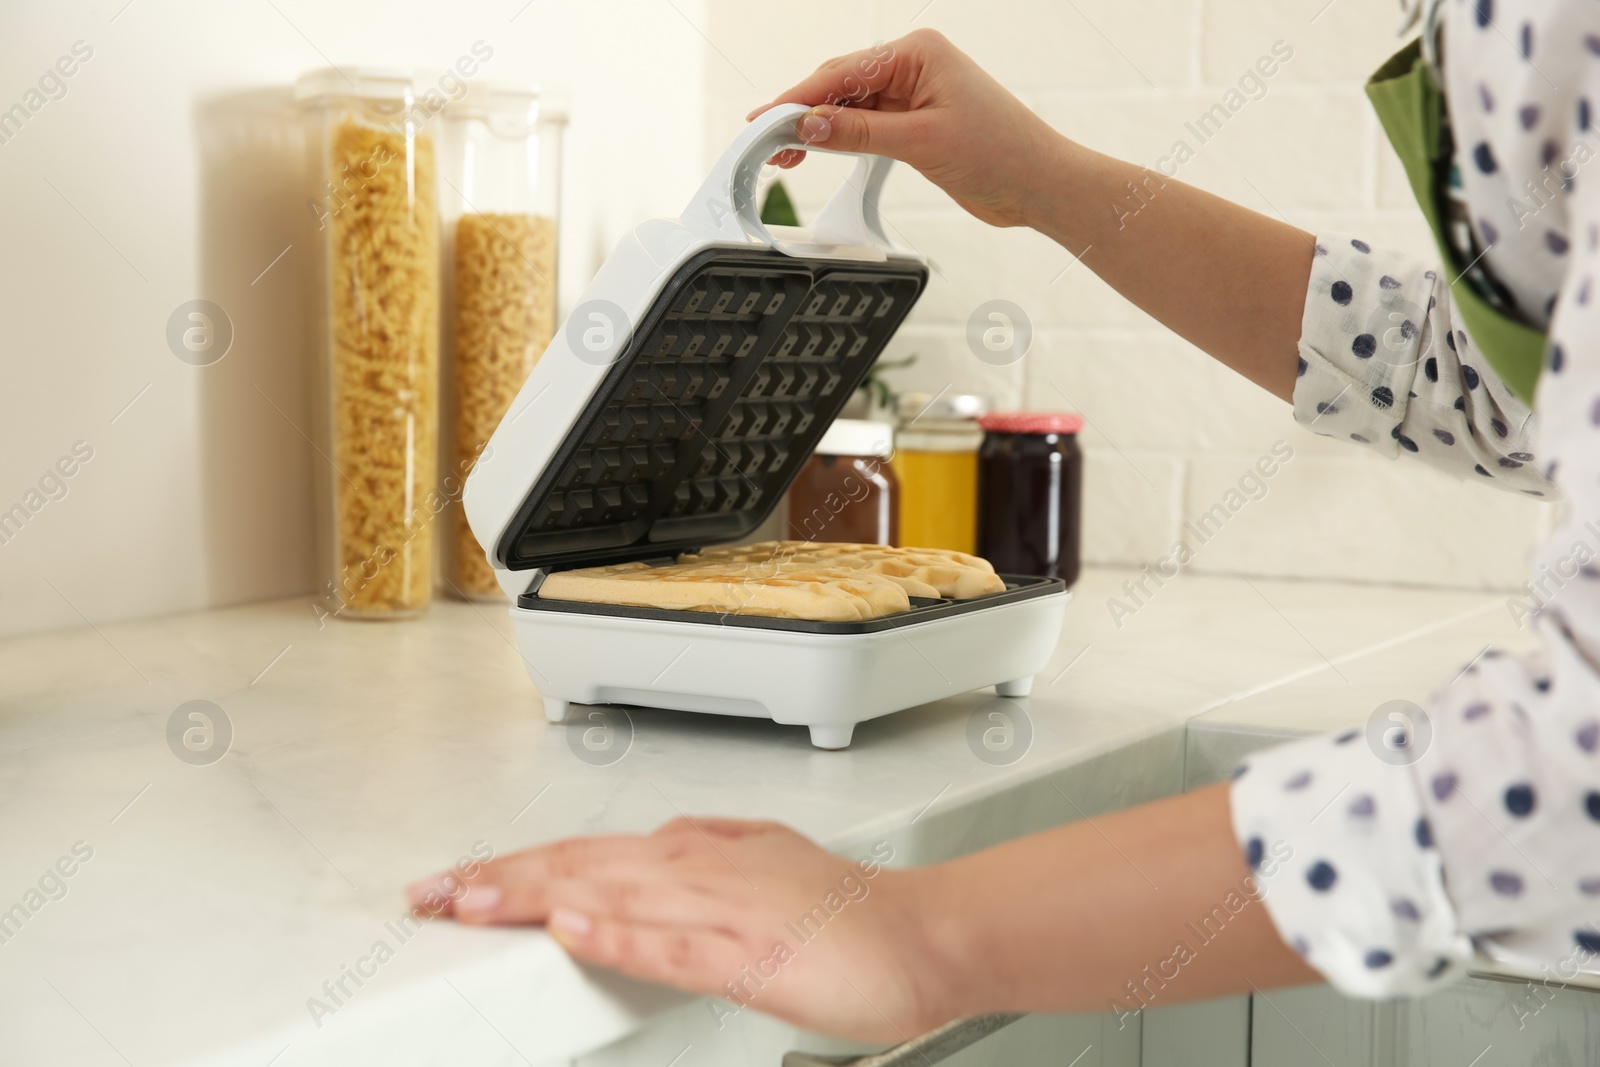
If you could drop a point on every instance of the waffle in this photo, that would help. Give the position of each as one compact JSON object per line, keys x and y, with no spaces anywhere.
{"x":784,"y":579}
{"x":950,"y":575}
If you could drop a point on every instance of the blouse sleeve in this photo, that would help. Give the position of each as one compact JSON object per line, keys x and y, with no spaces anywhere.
{"x":1388,"y":865}
{"x":1386,"y":363}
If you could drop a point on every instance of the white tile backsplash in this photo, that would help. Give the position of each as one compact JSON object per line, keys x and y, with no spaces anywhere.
{"x":1130,"y":505}
{"x":1295,"y":147}
{"x":1027,"y":44}
{"x":1334,"y":41}
{"x":1151,"y":390}
{"x":1364,"y":518}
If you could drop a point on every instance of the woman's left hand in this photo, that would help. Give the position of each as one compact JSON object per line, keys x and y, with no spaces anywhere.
{"x":750,"y":912}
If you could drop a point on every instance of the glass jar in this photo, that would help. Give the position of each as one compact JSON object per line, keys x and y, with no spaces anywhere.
{"x":936,"y":460}
{"x":376,"y":403}
{"x":1030,"y":493}
{"x":847,"y":491}
{"x":501,"y":205}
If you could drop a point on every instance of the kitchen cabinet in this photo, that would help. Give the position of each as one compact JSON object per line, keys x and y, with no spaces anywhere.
{"x":688,"y":1039}
{"x":1213,"y":1033}
{"x":1476,"y":1023}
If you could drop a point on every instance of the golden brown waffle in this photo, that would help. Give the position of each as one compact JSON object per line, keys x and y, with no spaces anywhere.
{"x":824,"y":594}
{"x":784,"y":579}
{"x":951,"y":575}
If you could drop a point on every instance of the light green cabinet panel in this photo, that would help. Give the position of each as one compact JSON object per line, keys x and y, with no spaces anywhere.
{"x":1501,"y":1024}
{"x":1056,"y":1040}
{"x":1315,"y":1025}
{"x":688,"y":1037}
{"x":1213,"y":750}
{"x":1475,"y":1023}
{"x":1213,"y":1033}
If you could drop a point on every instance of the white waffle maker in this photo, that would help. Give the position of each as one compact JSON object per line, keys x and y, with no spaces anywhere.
{"x":671,"y":412}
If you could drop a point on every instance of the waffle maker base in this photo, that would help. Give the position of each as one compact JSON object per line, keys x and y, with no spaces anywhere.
{"x":823,"y":676}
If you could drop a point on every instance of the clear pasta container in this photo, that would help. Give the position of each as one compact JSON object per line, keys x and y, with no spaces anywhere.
{"x":374,"y":200}
{"x":502,"y":200}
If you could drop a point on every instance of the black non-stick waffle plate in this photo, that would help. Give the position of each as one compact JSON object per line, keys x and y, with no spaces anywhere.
{"x":923,"y":609}
{"x":709,"y":411}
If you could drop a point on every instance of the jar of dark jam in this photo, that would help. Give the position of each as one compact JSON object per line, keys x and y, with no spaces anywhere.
{"x":1030,"y":493}
{"x":847,"y":491}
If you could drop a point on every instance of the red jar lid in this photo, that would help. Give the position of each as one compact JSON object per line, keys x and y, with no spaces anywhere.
{"x":1031,"y":422}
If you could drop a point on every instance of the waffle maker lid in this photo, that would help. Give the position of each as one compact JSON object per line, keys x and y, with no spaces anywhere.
{"x":691,"y":382}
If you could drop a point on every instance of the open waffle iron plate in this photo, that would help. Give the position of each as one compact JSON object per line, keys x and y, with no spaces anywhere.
{"x":671,"y":412}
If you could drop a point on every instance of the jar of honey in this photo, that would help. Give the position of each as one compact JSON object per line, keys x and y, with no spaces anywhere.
{"x":847,"y":491}
{"x":936,"y":459}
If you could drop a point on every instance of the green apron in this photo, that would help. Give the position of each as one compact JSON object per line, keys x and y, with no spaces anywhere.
{"x":1411,"y":109}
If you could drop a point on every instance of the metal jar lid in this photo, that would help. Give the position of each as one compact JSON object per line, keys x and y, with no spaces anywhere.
{"x":942,"y":407}
{"x":857,"y":437}
{"x":1032,"y":422}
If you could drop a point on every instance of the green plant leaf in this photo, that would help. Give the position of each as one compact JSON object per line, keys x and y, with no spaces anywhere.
{"x":777,"y":209}
{"x":875,"y":385}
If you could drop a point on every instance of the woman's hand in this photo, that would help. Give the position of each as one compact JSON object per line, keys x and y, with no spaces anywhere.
{"x":1067,"y":920}
{"x":921,"y":100}
{"x":750,"y":912}
{"x":1229,"y":280}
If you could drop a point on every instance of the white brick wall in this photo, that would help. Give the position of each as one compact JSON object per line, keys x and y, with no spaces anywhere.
{"x":1170,"y":429}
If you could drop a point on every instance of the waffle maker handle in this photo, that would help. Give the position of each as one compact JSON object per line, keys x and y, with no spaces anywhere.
{"x":848,"y":227}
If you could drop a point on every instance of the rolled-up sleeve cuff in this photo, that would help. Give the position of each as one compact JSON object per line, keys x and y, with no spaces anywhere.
{"x":1347,"y":866}
{"x":1366,"y":322}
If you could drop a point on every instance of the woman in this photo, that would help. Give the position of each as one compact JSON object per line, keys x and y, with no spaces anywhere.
{"x":1490,"y":840}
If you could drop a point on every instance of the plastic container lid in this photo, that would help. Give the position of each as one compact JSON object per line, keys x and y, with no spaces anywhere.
{"x":542,"y":102}
{"x":857,"y":437}
{"x":377,"y":83}
{"x":1031,"y":422}
{"x":916,"y":406}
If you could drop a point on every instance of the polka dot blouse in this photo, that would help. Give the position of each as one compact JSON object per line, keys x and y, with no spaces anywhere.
{"x":1387,"y":878}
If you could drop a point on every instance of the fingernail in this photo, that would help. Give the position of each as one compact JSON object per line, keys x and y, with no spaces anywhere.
{"x":417,"y":892}
{"x":567,"y":925}
{"x":479,"y":899}
{"x":815,"y":127}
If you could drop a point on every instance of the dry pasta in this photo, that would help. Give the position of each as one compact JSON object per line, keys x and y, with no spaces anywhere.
{"x":384,"y":275}
{"x":505,"y":304}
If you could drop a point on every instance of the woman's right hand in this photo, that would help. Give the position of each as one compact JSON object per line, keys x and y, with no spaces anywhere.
{"x":921,"y":100}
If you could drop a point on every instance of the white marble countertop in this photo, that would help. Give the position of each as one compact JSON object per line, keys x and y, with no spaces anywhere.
{"x":219,"y":898}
